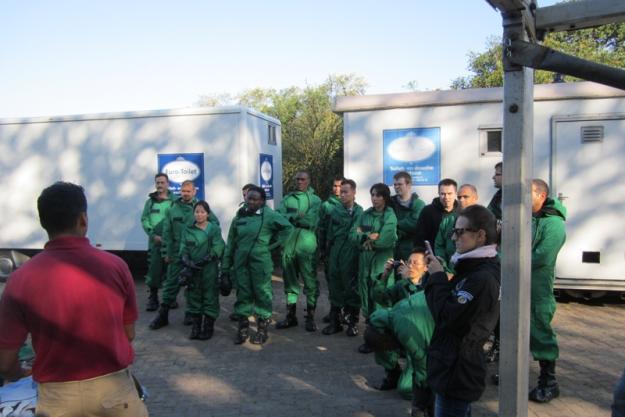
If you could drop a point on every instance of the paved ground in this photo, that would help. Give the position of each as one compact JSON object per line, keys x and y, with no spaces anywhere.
{"x":299,"y":373}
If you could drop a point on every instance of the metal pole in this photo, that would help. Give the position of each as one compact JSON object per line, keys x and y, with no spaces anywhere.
{"x":516,"y":256}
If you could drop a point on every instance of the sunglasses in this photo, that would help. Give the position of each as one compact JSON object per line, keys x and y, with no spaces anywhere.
{"x":459,"y":231}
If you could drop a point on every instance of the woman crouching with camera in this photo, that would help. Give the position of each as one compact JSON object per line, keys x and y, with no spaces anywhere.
{"x":465,"y":309}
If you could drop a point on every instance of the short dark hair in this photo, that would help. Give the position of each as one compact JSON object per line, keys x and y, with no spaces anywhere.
{"x":417,"y":249}
{"x":161,"y":174}
{"x":259,"y":190}
{"x":383,"y":190}
{"x":338,"y":178}
{"x":204,"y":204}
{"x":447,"y":182}
{"x":247,"y":186}
{"x":304,"y":171}
{"x":60,"y":205}
{"x":499,"y":165}
{"x":349,"y":182}
{"x":541,"y":185}
{"x":481,"y":218}
{"x":404,"y":175}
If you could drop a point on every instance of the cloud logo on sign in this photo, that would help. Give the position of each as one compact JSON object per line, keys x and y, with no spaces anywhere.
{"x":181,"y":170}
{"x":266,"y":171}
{"x":411,"y":148}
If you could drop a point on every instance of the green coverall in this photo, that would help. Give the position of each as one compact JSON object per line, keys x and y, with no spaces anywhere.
{"x":343,"y":258}
{"x":407,"y":218}
{"x":411,"y":323}
{"x":180,"y":216}
{"x":444,"y":246}
{"x":154,"y":212}
{"x":371,"y":261}
{"x":248,"y":258}
{"x":325,"y":213}
{"x":203,"y":246}
{"x":548,"y":236}
{"x":298,"y":257}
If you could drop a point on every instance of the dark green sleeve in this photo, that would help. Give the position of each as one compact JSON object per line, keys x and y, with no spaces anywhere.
{"x":408,"y":225}
{"x":388,"y":233}
{"x":311,"y":218}
{"x":217,"y":245}
{"x":281,"y":228}
{"x":548,"y":242}
{"x":226,"y":262}
{"x":145,"y":218}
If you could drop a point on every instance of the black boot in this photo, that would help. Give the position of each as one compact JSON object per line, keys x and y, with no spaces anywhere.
{"x":174,"y":305}
{"x":422,"y":401}
{"x":207,"y":327}
{"x":152,"y":304}
{"x":162,"y":319}
{"x":310,"y":325}
{"x":547,"y":388}
{"x":335,"y":322}
{"x":290,"y":320}
{"x":195,"y":327}
{"x":390,"y":379}
{"x":352,"y":316}
{"x":261,"y":334}
{"x":243,"y":332}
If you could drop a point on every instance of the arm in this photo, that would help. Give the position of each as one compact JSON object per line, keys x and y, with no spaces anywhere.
{"x":440,"y":241}
{"x":311,"y":218}
{"x":547,"y":244}
{"x":217,"y":245}
{"x":408,"y":225}
{"x":388,"y":233}
{"x":145,"y":218}
{"x":129,"y":329}
{"x":10,"y":368}
{"x":323,"y":226}
{"x":281,"y":228}
{"x":228,"y":256}
{"x":166,"y":245}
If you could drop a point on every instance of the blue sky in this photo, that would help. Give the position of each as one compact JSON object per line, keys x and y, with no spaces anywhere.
{"x":71,"y":57}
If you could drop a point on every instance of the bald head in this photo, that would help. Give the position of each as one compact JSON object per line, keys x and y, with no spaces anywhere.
{"x":467,"y":196}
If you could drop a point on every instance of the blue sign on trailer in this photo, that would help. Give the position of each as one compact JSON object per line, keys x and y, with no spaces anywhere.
{"x":266,"y":174}
{"x":181,"y":167}
{"x":416,"y":151}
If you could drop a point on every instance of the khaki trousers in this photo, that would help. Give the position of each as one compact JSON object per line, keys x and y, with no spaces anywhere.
{"x":111,"y":395}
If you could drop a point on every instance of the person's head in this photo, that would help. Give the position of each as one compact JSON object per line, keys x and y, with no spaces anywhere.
{"x":540,"y":192}
{"x":467,"y":196}
{"x":498,"y":175}
{"x":336,"y":185}
{"x":417,"y":265}
{"x":380,"y":196}
{"x":255,"y":198}
{"x":62,"y":210}
{"x":348,"y":192}
{"x":402,"y":182}
{"x":447,"y":189}
{"x":187,"y":191}
{"x":244,"y":190}
{"x":475,"y":226}
{"x":201,"y":210}
{"x":161,"y":182}
{"x":302,"y":180}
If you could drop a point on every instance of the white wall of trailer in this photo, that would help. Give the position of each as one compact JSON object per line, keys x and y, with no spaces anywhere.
{"x":586,"y":174}
{"x":114,"y":157}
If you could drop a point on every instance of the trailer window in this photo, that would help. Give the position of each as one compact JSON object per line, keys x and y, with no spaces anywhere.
{"x":271,"y":135}
{"x":491,"y":142}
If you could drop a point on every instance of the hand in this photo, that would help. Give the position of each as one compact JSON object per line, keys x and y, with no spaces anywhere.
{"x":359,"y":229}
{"x":403,"y":270}
{"x":157,"y":239}
{"x":374,"y":236}
{"x":389,"y":265}
{"x":434,"y":265}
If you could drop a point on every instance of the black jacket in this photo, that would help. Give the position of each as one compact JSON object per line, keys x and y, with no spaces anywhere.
{"x":465,"y":311}
{"x":429,"y":220}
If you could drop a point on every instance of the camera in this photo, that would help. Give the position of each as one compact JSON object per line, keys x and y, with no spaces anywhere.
{"x":397,"y":264}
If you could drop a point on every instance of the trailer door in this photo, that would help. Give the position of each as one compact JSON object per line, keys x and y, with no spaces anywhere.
{"x":588,"y":166}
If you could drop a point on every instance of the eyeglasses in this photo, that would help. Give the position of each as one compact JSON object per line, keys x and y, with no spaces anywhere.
{"x":459,"y":231}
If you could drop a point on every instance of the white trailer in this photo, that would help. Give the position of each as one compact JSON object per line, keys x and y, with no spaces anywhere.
{"x":115,"y":156}
{"x":579,"y":149}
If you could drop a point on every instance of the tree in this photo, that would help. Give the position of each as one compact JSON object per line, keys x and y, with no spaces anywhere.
{"x":312,"y":135}
{"x":604,"y":44}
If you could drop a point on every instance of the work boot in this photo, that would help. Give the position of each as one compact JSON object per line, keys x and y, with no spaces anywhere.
{"x":243,"y":332}
{"x":188,"y":319}
{"x":326,"y":318}
{"x":152,"y":304}
{"x":547,"y":388}
{"x":422,"y":401}
{"x":290,"y":320}
{"x":261,"y":334}
{"x":195,"y":327}
{"x":310,"y":324}
{"x":335,"y":322}
{"x":162,"y":319}
{"x":365,"y":348}
{"x":390,"y":380}
{"x":207,"y":327}
{"x":352,"y":315}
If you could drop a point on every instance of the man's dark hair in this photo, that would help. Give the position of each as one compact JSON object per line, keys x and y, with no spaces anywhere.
{"x":349,"y":182}
{"x":541,"y":185}
{"x":60,"y":206}
{"x":481,"y":218}
{"x":383,"y":190}
{"x":404,"y":175}
{"x":447,"y":182}
{"x":499,"y":165}
{"x":246,"y":187}
{"x":417,"y":249}
{"x":304,"y":171}
{"x":204,"y":204}
{"x":259,"y":190}
{"x":161,"y":174}
{"x":338,"y":178}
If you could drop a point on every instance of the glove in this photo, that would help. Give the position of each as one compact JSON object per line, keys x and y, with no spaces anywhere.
{"x":184,"y":279}
{"x":225,"y":284}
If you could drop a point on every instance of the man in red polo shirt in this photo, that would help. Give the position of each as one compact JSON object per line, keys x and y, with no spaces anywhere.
{"x":78,"y":303}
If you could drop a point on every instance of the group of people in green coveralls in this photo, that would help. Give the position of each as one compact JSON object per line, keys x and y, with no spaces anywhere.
{"x":374,"y":263}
